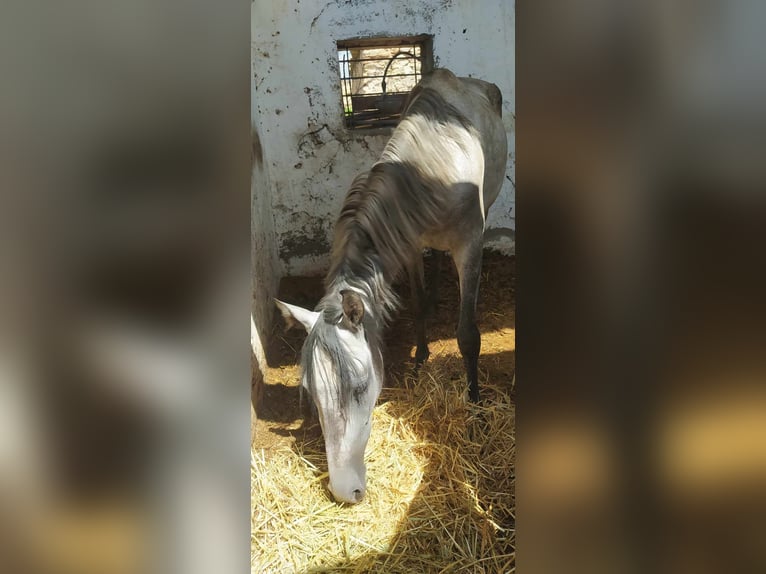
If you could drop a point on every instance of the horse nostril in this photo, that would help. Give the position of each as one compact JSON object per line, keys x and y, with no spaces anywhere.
{"x":358,"y":495}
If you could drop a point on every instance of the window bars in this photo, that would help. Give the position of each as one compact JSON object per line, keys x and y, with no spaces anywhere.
{"x":377,"y":76}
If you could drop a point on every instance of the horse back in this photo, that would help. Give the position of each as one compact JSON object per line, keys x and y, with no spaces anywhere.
{"x":480,"y":102}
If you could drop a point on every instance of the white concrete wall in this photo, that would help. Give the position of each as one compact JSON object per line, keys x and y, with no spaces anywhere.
{"x":310,"y":157}
{"x":265,"y":265}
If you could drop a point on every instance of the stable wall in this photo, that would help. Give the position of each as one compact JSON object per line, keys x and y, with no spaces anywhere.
{"x":265,"y":265}
{"x":310,"y":159}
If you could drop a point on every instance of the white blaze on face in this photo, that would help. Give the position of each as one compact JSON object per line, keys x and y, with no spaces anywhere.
{"x":346,"y":436}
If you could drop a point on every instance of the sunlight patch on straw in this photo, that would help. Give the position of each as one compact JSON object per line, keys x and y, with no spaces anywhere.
{"x":439,"y":497}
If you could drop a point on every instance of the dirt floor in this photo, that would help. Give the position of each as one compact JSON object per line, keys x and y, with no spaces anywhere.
{"x":279,"y":414}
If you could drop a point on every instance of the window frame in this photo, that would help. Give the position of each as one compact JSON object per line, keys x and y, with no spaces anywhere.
{"x":423,"y":41}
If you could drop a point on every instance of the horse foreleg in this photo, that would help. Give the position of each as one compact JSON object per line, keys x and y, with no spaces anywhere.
{"x":425,"y":298}
{"x":420,"y":308}
{"x":433,"y":281}
{"x":468,"y":263}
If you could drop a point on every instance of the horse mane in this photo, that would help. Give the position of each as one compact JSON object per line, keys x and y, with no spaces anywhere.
{"x":383,"y":217}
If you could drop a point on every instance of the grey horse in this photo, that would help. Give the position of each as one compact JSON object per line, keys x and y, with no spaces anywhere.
{"x":432,"y":187}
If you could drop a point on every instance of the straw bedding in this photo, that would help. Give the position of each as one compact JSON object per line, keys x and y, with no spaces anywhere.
{"x":440,"y":472}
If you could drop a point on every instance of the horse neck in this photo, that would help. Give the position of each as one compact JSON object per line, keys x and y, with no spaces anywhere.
{"x":383,"y":217}
{"x":367,"y":279}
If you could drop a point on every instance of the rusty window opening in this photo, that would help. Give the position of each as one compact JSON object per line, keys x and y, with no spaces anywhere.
{"x":377,"y":76}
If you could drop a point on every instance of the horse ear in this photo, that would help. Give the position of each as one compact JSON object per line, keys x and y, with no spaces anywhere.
{"x":353,"y":307}
{"x":293,"y":314}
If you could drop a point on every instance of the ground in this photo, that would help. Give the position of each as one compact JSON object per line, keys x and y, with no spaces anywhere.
{"x":279,"y":405}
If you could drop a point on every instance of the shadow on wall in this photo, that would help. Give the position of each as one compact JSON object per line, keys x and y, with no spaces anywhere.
{"x":257,"y":150}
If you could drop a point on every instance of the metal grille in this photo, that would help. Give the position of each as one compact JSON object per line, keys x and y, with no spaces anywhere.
{"x":376,"y":79}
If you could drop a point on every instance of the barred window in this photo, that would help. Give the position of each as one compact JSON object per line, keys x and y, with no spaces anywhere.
{"x":377,"y":76}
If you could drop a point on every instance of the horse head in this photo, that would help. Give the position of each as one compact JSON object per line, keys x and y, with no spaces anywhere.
{"x":342,"y":372}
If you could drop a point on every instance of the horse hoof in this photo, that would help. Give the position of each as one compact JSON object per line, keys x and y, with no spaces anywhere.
{"x":421,"y":358}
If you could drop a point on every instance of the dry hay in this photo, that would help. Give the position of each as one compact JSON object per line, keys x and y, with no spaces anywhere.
{"x":439,"y":488}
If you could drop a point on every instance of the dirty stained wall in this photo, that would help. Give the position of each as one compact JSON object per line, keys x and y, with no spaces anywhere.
{"x":310,"y":158}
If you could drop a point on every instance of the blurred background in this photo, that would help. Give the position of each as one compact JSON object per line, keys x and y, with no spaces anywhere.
{"x":125,"y":292}
{"x":641,"y":422}
{"x":124,"y":328}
